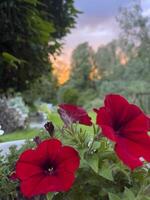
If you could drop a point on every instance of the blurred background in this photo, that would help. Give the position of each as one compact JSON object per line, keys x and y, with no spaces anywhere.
{"x":69,"y":51}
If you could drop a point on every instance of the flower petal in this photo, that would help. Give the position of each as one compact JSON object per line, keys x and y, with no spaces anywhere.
{"x":30,"y":156}
{"x":148,"y":116}
{"x":115,"y":105}
{"x":72,"y":114}
{"x":47,"y":148}
{"x":131,"y":150}
{"x":104,"y":121}
{"x":37,"y":185}
{"x":28,"y":186}
{"x":127,"y":158}
{"x":68,"y":159}
{"x":33,"y":168}
{"x":137,"y":125}
{"x":26,"y":170}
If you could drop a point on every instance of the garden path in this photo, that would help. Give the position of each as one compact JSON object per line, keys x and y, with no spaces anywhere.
{"x":5,"y":145}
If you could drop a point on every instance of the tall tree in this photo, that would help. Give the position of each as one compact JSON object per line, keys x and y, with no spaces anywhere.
{"x":106,"y":58}
{"x":82,"y":63}
{"x":136,"y":32}
{"x":29,"y":30}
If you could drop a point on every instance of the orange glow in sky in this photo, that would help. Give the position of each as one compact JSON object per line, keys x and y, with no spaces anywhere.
{"x":61,"y":68}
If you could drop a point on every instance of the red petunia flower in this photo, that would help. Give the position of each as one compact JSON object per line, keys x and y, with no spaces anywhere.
{"x":148,"y":122}
{"x":48,"y":168}
{"x":127,"y":126}
{"x":72,"y":114}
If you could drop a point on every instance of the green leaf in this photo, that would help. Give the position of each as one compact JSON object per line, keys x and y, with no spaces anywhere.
{"x":33,"y":2}
{"x":49,"y":196}
{"x":145,"y":198}
{"x":96,"y":145}
{"x":92,"y":161}
{"x":10,"y":58}
{"x":128,"y":194}
{"x":113,"y":197}
{"x":106,"y":171}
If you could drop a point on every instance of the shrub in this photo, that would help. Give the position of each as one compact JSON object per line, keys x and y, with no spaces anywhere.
{"x":13,"y":114}
{"x":68,"y":95}
{"x":87,"y":97}
{"x":18,"y":104}
{"x":47,"y":85}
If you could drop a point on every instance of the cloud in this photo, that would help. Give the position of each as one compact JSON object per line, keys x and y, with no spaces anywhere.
{"x":96,"y":36}
{"x":145,"y":4}
{"x":98,"y":11}
{"x":146,"y":7}
{"x":97,"y":25}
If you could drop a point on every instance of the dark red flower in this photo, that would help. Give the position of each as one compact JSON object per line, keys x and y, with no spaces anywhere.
{"x":48,"y":168}
{"x":72,"y":114}
{"x":127,"y":126}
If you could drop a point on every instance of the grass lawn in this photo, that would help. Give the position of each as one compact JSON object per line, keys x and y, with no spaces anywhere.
{"x":20,"y":135}
{"x":31,"y":133}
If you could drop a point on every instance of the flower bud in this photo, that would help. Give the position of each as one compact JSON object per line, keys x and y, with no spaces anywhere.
{"x":37,"y":140}
{"x":13,"y":176}
{"x":50,"y":128}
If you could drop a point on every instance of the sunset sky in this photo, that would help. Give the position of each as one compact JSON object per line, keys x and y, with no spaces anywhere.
{"x":97,"y":23}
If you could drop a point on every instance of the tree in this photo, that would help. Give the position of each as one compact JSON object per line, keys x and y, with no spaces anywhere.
{"x":29,"y":30}
{"x":136,"y":31}
{"x":134,"y":26}
{"x":133,"y":78}
{"x":81,"y":66}
{"x":106,"y":58}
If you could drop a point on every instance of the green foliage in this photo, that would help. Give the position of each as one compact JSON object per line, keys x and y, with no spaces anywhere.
{"x":87,"y":96}
{"x":18,"y":103}
{"x":134,"y":25}
{"x":47,"y":84}
{"x":68,"y":95}
{"x":20,"y":135}
{"x":82,"y":63}
{"x":132,"y":79}
{"x":29,"y":30}
{"x":10,"y":59}
{"x":122,"y":65}
{"x":101,"y":174}
{"x":106,"y":58}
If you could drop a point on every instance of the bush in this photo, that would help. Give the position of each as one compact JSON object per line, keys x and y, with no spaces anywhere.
{"x":68,"y":95}
{"x":13,"y":114}
{"x":96,"y":103}
{"x":18,"y":104}
{"x":87,"y":97}
{"x":47,"y":85}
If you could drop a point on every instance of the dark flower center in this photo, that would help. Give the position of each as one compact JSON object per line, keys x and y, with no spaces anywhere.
{"x":49,"y":168}
{"x":117,"y":127}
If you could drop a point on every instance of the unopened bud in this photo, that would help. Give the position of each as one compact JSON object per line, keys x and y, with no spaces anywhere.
{"x":13,"y":176}
{"x":50,"y":128}
{"x":37,"y":140}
